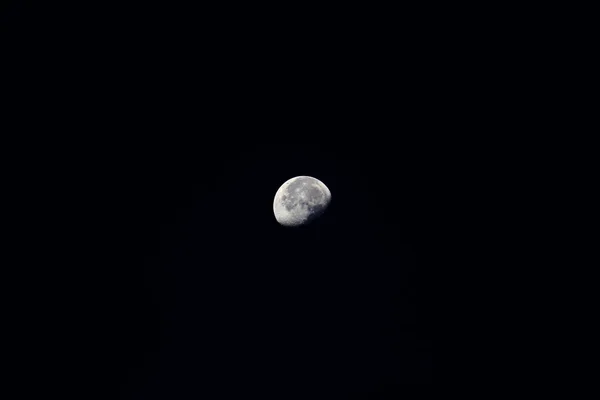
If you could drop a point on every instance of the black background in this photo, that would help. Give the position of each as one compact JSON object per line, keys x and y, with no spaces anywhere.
{"x":214,"y":295}
{"x":171,"y":131}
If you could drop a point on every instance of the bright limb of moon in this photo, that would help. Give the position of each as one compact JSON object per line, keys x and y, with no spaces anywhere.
{"x":300,"y":200}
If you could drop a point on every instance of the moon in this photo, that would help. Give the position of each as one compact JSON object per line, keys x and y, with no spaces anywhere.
{"x":300,"y":200}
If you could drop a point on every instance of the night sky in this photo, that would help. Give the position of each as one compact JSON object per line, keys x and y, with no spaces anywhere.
{"x":216,"y":296}
{"x":183,"y":285}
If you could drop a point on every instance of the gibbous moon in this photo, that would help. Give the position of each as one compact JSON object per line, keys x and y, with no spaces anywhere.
{"x":300,"y":200}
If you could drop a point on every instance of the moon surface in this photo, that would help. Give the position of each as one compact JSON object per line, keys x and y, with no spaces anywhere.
{"x":300,"y":200}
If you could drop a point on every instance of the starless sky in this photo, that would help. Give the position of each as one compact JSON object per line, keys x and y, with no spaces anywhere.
{"x":184,"y":283}
{"x":238,"y":301}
